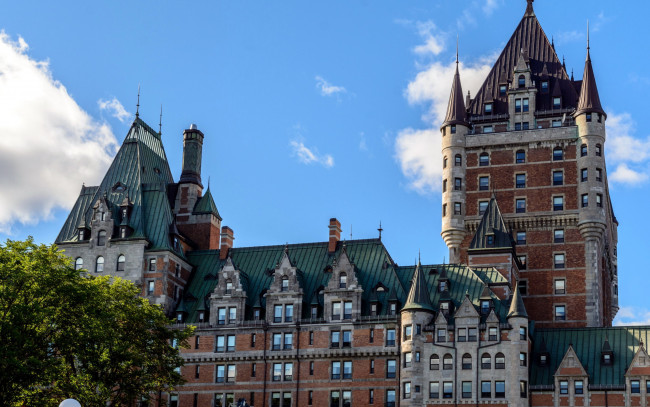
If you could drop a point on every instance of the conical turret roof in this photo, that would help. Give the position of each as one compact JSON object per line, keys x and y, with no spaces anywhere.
{"x":418,"y":298}
{"x":456,"y":113}
{"x":589,"y":100}
{"x":206,"y":205}
{"x":517,"y":308}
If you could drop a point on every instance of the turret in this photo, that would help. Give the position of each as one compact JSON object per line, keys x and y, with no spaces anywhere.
{"x":454,"y":129}
{"x":592,"y":190}
{"x":192,"y":154}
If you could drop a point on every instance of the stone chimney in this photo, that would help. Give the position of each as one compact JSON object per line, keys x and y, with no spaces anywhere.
{"x":227,"y":238}
{"x":335,"y":234}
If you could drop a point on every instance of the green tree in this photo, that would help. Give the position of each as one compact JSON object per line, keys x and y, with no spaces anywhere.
{"x":66,"y":334}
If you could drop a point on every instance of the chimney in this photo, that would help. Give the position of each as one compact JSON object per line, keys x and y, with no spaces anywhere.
{"x":227,"y":238}
{"x":335,"y":234}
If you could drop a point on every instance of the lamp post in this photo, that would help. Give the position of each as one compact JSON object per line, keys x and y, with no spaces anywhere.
{"x":70,"y":403}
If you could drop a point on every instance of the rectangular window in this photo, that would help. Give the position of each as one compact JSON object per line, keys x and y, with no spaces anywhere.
{"x":599,"y":150}
{"x":484,"y":160}
{"x":471,"y":334}
{"x":635,"y":386}
{"x":558,"y":236}
{"x":483,"y":183}
{"x":288,"y":372}
{"x":335,"y":339}
{"x":564,"y":387}
{"x":578,"y":387}
{"x":522,"y":333}
{"x":253,"y":370}
{"x":390,"y":337}
{"x":520,"y":157}
{"x":560,"y":313}
{"x":523,"y":389}
{"x":221,"y":343}
{"x":588,"y":117}
{"x":457,"y":208}
{"x":444,"y":185}
{"x":486,"y":390}
{"x":462,"y":334}
{"x":556,"y":123}
{"x":391,"y":368}
{"x":558,"y":178}
{"x":520,"y":205}
{"x":231,"y":343}
{"x":521,"y":237}
{"x":499,"y":389}
{"x":599,"y":175}
{"x":492,"y":334}
{"x":525,"y":126}
{"x":232,"y":315}
{"x":152,"y":264}
{"x":372,"y":366}
{"x":347,"y":310}
{"x":288,"y":341}
{"x":253,"y":338}
{"x":408,"y":330}
{"x":442,"y":335}
{"x":488,"y":108}
{"x":347,"y":339}
{"x":277,"y":342}
{"x":482,"y":207}
{"x":523,"y":359}
{"x":444,"y":210}
{"x":311,"y":368}
{"x":502,"y":90}
{"x":407,"y":390}
{"x":558,"y":203}
{"x":347,"y":369}
{"x":434,"y":390}
{"x":522,"y":261}
{"x":558,"y":154}
{"x":524,"y":105}
{"x":517,"y":105}
{"x":458,"y":184}
{"x":231,"y":374}
{"x":277,"y":313}
{"x":221,"y":320}
{"x":453,"y":129}
{"x":390,"y":398}
{"x":487,"y":129}
{"x":557,"y":103}
{"x":311,"y":337}
{"x":407,"y":359}
{"x":560,"y":286}
{"x":150,"y":287}
{"x":336,"y":310}
{"x":517,"y":126}
{"x":447,"y":390}
{"x":221,"y":373}
{"x":599,"y":200}
{"x":336,"y":370}
{"x":371,"y":335}
{"x":467,"y":390}
{"x":584,"y":175}
{"x":558,"y":260}
{"x":371,"y":396}
{"x":288,"y":313}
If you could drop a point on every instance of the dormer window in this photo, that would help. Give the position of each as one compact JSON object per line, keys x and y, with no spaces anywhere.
{"x":607,"y":358}
{"x":557,"y":103}
{"x":502,"y":90}
{"x":521,"y":81}
{"x":488,"y":108}
{"x":343,"y":280}
{"x":179,"y":317}
{"x":392,"y":309}
{"x":228,"y":286}
{"x":125,"y":213}
{"x":544,"y":86}
{"x":485,"y":307}
{"x":444,"y":307}
{"x":543,"y":360}
{"x":442,"y":286}
{"x":285,"y":284}
{"x":489,"y":240}
{"x":101,"y":238}
{"x":82,"y":235}
{"x":123,"y":232}
{"x":102,"y":216}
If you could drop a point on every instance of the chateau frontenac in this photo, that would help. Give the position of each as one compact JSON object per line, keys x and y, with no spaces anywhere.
{"x":521,"y":316}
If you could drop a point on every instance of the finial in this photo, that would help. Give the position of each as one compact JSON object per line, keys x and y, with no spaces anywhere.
{"x":587,"y":35}
{"x":571,"y":73}
{"x":380,"y":230}
{"x":350,"y":231}
{"x":137,"y":106}
{"x":456,"y":49}
{"x":529,"y":8}
{"x":208,"y":182}
{"x":160,"y":122}
{"x":286,"y":247}
{"x":419,"y":258}
{"x":552,"y":42}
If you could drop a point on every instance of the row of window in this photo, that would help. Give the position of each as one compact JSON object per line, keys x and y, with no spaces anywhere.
{"x":99,"y":263}
{"x":558,"y":236}
{"x":466,"y":389}
{"x":598,"y":152}
{"x":520,"y":155}
{"x":520,"y":180}
{"x":470,"y":334}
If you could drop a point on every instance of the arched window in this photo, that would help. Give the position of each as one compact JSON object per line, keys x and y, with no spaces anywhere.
{"x":434,"y":362}
{"x":558,"y":154}
{"x":522,"y":81}
{"x":458,"y":160}
{"x":499,"y":361}
{"x":78,"y":263}
{"x":99,"y":264}
{"x":343,"y":280}
{"x":285,"y":284}
{"x":484,"y":159}
{"x":444,"y":162}
{"x":467,"y":361}
{"x":101,"y":238}
{"x":447,"y":362}
{"x":228,"y":286}
{"x":486,"y":361}
{"x":120,"y":262}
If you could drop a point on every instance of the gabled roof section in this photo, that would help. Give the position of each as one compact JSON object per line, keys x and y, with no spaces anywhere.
{"x":140,"y":171}
{"x":570,"y":364}
{"x":493,"y":225}
{"x":589,"y":100}
{"x":418,"y":298}
{"x":456,"y":113}
{"x":206,"y":205}
{"x":517,"y":308}
{"x":587,"y":344}
{"x":529,"y":37}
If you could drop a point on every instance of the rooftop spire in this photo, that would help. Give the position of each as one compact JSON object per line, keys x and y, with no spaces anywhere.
{"x":418,"y":298}
{"x":137,"y":106}
{"x":517,"y":308}
{"x":456,"y":113}
{"x":160,"y":122}
{"x":589,"y":101}
{"x":529,"y":8}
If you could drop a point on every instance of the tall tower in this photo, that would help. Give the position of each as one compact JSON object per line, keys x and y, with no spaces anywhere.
{"x":454,"y":129}
{"x":532,"y":138}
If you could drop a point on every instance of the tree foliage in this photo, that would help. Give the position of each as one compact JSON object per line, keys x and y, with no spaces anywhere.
{"x":66,"y":334}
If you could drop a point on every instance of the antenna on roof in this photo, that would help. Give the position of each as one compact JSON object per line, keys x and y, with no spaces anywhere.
{"x":137,"y":106}
{"x":160,"y":122}
{"x":380,"y":230}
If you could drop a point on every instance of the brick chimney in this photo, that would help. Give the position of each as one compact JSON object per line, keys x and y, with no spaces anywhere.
{"x":335,"y":234}
{"x":227,"y":238}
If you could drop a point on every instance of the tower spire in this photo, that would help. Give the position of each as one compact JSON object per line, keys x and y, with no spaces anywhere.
{"x":137,"y":106}
{"x":160,"y":122}
{"x":589,"y":100}
{"x":456,"y":113}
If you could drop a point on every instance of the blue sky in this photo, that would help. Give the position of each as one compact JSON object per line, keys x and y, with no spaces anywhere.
{"x":310,"y":110}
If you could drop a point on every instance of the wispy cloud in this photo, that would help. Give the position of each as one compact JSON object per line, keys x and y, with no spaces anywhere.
{"x":566,"y":37}
{"x":327,"y":89}
{"x":363,"y":146}
{"x":600,"y":21}
{"x":418,"y":150}
{"x":489,"y":6}
{"x":468,"y":17}
{"x":433,"y":43}
{"x":114,"y":108}
{"x":629,"y":153}
{"x":49,"y":144}
{"x":308,"y":155}
{"x":632,"y":316}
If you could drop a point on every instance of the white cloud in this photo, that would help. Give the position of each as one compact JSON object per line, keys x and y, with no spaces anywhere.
{"x":632,"y":316}
{"x":566,"y":37}
{"x":114,"y":108}
{"x":630,"y":154}
{"x":432,"y":44}
{"x":625,"y":175}
{"x":490,"y":6}
{"x":418,"y":150}
{"x":49,"y":145}
{"x":327,"y":89}
{"x":310,"y":156}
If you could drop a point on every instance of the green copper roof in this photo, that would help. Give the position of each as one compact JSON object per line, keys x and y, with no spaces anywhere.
{"x":517,"y":308}
{"x":141,"y":171}
{"x":492,"y":224}
{"x":206,"y":205}
{"x":588,"y":344}
{"x":418,"y":298}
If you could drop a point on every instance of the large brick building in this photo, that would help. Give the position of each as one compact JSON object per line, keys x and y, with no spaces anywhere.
{"x":521,"y":316}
